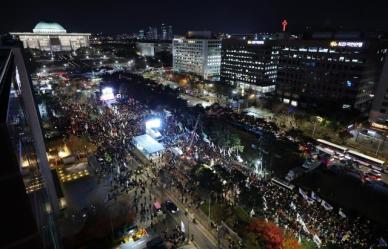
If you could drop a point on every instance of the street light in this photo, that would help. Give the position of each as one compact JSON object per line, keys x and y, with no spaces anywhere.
{"x":317,"y":119}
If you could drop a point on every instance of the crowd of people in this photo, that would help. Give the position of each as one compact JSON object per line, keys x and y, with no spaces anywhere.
{"x":112,"y":128}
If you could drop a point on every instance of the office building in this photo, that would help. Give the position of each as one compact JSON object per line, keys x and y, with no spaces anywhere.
{"x":332,"y":71}
{"x":27,"y":186}
{"x":152,"y":33}
{"x":198,"y":53}
{"x":378,"y":115}
{"x":166,"y":32}
{"x":163,"y":32}
{"x":170,"y":33}
{"x":249,"y":64}
{"x":141,"y":34}
{"x":52,"y":37}
{"x":150,"y":48}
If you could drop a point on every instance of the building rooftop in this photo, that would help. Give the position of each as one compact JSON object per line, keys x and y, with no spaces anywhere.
{"x":44,"y":27}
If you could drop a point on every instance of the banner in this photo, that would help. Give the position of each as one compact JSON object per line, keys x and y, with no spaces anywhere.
{"x":340,"y":212}
{"x":315,"y":197}
{"x":326,"y":205}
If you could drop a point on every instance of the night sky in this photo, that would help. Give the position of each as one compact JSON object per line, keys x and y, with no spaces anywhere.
{"x":238,"y":16}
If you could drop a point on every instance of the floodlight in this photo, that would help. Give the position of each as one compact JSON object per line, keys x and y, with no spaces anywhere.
{"x":153,"y":123}
{"x":107,"y":94}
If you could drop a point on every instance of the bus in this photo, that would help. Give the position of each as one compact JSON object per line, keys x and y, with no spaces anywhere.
{"x":363,"y":159}
{"x":367,"y":160}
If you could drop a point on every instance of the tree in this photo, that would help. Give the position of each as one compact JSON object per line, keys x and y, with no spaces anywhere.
{"x":290,"y":241}
{"x":266,"y":233}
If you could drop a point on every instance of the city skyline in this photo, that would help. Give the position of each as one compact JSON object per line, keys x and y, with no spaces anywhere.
{"x":194,"y":125}
{"x":251,"y":17}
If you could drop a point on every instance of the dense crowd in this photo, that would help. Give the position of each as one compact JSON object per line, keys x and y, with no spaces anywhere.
{"x":112,"y":129}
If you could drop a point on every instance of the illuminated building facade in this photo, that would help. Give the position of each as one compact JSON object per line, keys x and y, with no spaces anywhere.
{"x":197,"y":53}
{"x":52,"y":37}
{"x":249,"y":64}
{"x":150,"y":48}
{"x":332,"y":71}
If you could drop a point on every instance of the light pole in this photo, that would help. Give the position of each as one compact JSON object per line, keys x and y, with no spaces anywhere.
{"x":316,"y":119}
{"x":209,"y":207}
{"x":209,"y":203}
{"x":378,"y":146}
{"x":315,"y":127}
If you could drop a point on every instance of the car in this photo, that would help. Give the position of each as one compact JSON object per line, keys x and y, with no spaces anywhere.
{"x":371,"y":176}
{"x":375,"y":172}
{"x":170,"y":206}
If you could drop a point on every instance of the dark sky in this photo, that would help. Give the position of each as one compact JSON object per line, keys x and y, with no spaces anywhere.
{"x":237,"y":16}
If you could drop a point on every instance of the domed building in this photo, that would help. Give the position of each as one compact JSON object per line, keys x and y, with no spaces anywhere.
{"x":45,"y":27}
{"x":52,"y":37}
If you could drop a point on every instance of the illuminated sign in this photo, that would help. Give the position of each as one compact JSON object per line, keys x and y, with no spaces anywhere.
{"x":256,"y":42}
{"x":346,"y":44}
{"x":284,"y":25}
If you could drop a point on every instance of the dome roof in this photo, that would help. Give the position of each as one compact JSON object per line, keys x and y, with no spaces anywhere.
{"x":44,"y":27}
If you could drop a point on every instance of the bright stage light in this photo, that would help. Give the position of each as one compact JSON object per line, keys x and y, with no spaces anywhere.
{"x":153,"y":123}
{"x":107,"y":94}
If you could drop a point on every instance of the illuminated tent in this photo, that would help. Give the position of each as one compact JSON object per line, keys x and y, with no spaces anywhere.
{"x":148,"y":146}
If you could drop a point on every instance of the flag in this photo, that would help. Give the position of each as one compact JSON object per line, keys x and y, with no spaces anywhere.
{"x":302,"y":223}
{"x":382,"y":242}
{"x":265,"y":203}
{"x":317,"y":240}
{"x":304,"y":195}
{"x":326,"y":205}
{"x":183,"y":227}
{"x":309,"y":200}
{"x":315,"y":197}
{"x":340,"y":212}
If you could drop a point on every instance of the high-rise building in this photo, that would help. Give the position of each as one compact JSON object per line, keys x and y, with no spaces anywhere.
{"x":337,"y":71}
{"x":152,"y":33}
{"x":198,"y":53}
{"x":378,"y":115}
{"x":163,"y":32}
{"x":170,"y":33}
{"x":52,"y":37}
{"x":141,"y":34}
{"x":249,"y":63}
{"x":29,"y":209}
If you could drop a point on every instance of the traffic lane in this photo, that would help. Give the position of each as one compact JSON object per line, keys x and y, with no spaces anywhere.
{"x":198,"y":227}
{"x":200,"y":239}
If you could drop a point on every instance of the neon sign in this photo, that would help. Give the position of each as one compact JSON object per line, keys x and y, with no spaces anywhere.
{"x":346,"y":44}
{"x":256,"y":42}
{"x":284,"y":25}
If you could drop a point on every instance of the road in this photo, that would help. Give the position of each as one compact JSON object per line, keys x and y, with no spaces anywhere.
{"x":202,"y":238}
